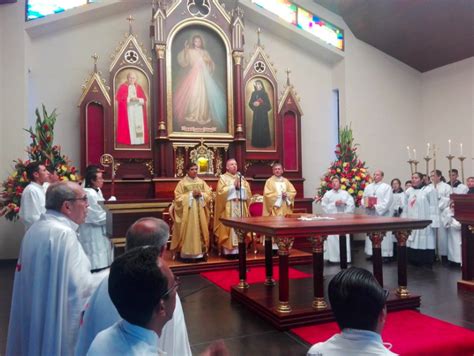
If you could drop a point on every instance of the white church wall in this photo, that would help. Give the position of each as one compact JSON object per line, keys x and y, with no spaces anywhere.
{"x":12,"y":110}
{"x":447,"y":105}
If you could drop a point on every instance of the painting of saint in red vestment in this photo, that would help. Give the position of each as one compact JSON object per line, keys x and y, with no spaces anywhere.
{"x":131,"y":108}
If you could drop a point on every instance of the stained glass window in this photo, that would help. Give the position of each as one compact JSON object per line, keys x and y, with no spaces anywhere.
{"x":41,"y":8}
{"x":282,"y":8}
{"x":305,"y":20}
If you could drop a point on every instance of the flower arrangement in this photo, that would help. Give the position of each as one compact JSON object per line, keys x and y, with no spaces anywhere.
{"x":42,"y":150}
{"x":348,"y":167}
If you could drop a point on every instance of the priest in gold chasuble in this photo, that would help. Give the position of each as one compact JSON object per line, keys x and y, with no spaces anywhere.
{"x":192,"y":197}
{"x":232,"y":200}
{"x":278,"y":194}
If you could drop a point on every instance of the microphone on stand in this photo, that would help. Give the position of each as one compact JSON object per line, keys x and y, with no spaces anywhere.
{"x":240,"y":194}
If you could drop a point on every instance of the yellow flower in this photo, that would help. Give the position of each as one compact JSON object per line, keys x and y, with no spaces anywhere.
{"x":72,"y":177}
{"x":345,"y":164}
{"x":343,"y":180}
{"x":357,"y":178}
{"x":64,"y":178}
{"x":338,"y":170}
{"x":14,"y":174}
{"x":350,"y":191}
{"x":343,"y":187}
{"x":324,"y":184}
{"x":363,"y":170}
{"x":360,"y":193}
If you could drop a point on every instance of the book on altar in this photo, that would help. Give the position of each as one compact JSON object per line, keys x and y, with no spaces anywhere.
{"x":370,"y":202}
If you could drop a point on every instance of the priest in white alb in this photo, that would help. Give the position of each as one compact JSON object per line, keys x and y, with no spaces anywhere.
{"x":422,"y":203}
{"x":32,"y":203}
{"x":336,"y":201}
{"x":444,"y":191}
{"x":378,"y":198}
{"x":52,"y":278}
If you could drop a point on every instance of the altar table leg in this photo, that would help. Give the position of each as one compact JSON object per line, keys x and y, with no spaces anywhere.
{"x":242,"y":260}
{"x":269,"y":281}
{"x":317,"y":244}
{"x":284,"y":246}
{"x":343,"y":251}
{"x":376,"y":238}
{"x":402,"y":237}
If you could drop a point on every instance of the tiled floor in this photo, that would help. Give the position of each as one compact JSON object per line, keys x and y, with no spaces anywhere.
{"x":210,"y":314}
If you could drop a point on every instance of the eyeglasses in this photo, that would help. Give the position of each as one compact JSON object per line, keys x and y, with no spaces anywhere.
{"x":176,"y":284}
{"x":84,"y":198}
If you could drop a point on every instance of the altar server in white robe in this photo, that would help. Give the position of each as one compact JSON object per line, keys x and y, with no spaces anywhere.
{"x":101,"y":313}
{"x":32,"y":203}
{"x":444,"y":191}
{"x":422,"y":203}
{"x":399,"y":203}
{"x":92,"y":234}
{"x":335,"y":201}
{"x":454,"y":233}
{"x":52,"y":278}
{"x":384,"y":198}
{"x":456,"y":184}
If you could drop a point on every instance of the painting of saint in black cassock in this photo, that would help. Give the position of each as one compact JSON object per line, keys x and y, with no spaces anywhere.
{"x":260,"y":105}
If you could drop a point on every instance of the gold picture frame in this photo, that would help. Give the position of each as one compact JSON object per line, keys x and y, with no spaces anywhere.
{"x":199,"y":82}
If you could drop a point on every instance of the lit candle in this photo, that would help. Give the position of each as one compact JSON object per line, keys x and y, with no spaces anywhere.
{"x":409,"y":152}
{"x":449,"y":147}
{"x":414,"y":154}
{"x":460,"y":148}
{"x":428,"y":149}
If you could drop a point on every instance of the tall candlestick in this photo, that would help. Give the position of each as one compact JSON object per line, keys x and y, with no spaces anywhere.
{"x":449,"y":146}
{"x":409,"y":152}
{"x":428,"y":149}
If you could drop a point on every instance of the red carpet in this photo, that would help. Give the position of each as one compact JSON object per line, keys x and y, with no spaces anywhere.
{"x":410,"y":332}
{"x":228,"y":278}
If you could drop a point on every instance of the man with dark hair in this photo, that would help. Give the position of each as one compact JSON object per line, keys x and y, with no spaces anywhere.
{"x":455,"y":183}
{"x":101,"y":313}
{"x":33,"y":197}
{"x":359,"y":306}
{"x":52,"y":278}
{"x":143,"y":290}
{"x":470,"y":185}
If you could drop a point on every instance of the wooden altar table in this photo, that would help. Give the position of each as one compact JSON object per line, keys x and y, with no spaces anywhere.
{"x":276,"y":307}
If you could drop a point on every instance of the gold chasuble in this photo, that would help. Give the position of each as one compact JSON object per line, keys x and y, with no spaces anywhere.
{"x":191,"y":225}
{"x":273,"y":202}
{"x":228,"y":205}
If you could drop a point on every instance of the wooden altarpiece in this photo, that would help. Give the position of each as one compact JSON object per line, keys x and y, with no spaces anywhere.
{"x":172,"y":134}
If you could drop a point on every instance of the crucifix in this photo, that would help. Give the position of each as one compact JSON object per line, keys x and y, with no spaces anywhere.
{"x":130,"y":19}
{"x":95,"y":57}
{"x":288,"y":71}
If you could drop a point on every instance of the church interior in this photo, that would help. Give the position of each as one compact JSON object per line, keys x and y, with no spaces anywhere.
{"x":261,"y":82}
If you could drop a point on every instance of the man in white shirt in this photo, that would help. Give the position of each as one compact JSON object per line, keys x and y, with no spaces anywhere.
{"x":143,"y":290}
{"x":382,"y":194}
{"x":359,"y":306}
{"x":101,"y":313}
{"x":444,"y":191}
{"x":455,"y":183}
{"x":33,"y":197}
{"x":335,"y":201}
{"x":52,"y":278}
